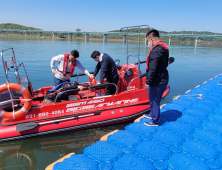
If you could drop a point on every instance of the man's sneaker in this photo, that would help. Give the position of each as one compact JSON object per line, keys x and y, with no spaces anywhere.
{"x":147,"y":116}
{"x":151,"y":123}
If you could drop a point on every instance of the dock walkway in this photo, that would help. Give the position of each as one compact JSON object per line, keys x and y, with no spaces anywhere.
{"x":189,"y":137}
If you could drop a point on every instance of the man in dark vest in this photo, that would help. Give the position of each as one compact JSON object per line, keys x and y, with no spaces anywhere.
{"x":66,"y":66}
{"x":108,"y":70}
{"x":157,"y":76}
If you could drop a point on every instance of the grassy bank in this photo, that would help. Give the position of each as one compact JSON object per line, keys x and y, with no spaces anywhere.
{"x":116,"y":38}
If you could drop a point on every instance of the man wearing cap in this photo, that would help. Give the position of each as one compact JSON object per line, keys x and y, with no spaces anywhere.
{"x":66,"y":67}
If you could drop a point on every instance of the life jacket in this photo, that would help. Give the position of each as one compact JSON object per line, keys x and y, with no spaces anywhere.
{"x":65,"y":64}
{"x":159,"y":43}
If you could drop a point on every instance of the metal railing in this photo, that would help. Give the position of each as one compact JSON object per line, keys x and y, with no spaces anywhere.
{"x":98,"y":86}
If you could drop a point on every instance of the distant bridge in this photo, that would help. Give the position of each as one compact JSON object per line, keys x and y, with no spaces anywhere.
{"x":124,"y":34}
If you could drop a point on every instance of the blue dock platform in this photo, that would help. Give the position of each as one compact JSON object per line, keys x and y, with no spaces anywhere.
{"x":189,"y":138}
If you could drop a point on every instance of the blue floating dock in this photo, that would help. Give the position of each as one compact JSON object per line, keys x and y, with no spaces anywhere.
{"x":189,"y":137}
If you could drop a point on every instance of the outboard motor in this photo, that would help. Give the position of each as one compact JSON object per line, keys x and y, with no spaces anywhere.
{"x":127,"y":74}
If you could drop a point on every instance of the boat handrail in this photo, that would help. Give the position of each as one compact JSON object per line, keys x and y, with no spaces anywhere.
{"x":97,"y":86}
{"x":127,"y":61}
{"x":81,"y":74}
{"x":141,"y":76}
{"x":141,"y":62}
{"x":76,"y":75}
{"x":65,"y":91}
{"x":130,"y":83}
{"x":171,"y":60}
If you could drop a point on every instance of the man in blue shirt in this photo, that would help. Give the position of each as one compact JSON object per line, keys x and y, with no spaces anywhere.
{"x":108,"y":70}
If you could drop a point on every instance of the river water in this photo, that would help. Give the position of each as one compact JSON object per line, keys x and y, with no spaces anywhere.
{"x":192,"y":67}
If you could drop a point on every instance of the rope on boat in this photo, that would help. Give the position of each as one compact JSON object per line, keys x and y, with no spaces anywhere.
{"x":15,"y":100}
{"x":12,"y":101}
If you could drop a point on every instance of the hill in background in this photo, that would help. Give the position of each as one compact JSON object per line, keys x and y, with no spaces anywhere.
{"x":132,"y":30}
{"x":202,"y":41}
{"x":145,"y":30}
{"x":16,"y":27}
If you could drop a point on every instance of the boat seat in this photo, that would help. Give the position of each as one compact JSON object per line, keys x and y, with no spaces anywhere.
{"x":84,"y":95}
{"x":74,"y":97}
{"x":99,"y":93}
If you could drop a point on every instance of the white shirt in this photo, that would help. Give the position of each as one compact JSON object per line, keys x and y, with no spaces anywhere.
{"x":60,"y":60}
{"x":101,"y":57}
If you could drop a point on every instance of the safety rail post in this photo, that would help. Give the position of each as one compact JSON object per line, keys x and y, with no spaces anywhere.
{"x":139,"y":26}
{"x":16,"y":68}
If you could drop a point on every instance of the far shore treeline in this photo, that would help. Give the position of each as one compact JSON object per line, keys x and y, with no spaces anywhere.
{"x":175,"y":40}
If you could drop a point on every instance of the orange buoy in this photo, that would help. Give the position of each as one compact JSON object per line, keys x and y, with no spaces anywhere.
{"x":26,"y":96}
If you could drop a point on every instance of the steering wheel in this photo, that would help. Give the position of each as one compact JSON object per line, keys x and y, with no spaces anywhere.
{"x":117,"y":64}
{"x":92,"y":81}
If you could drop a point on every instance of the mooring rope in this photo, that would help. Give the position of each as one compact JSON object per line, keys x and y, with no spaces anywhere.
{"x":200,"y":96}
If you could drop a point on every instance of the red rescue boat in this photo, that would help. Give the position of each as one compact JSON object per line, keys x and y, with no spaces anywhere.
{"x":23,"y":113}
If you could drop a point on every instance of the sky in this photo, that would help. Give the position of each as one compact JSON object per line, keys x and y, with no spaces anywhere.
{"x":107,"y":15}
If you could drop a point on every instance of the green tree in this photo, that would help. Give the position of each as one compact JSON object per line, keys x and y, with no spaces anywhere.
{"x":78,"y":34}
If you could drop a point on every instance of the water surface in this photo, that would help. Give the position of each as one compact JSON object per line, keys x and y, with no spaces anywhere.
{"x":192,"y":67}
